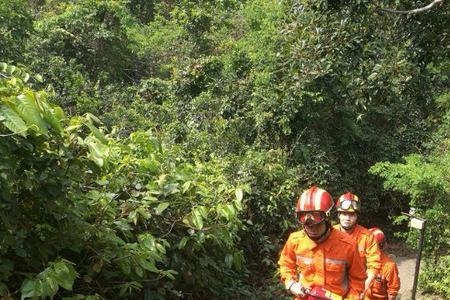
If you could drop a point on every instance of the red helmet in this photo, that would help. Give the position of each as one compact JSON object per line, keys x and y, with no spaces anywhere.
{"x":378,"y":234}
{"x":315,"y":199}
{"x":348,"y":202}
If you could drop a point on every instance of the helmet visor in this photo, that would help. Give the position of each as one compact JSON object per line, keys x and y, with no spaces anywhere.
{"x":347,"y":204}
{"x":310,"y":217}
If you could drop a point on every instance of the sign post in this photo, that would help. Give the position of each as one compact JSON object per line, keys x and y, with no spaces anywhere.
{"x":417,"y":223}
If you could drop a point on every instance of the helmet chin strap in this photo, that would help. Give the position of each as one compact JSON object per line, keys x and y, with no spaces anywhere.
{"x":318,"y":238}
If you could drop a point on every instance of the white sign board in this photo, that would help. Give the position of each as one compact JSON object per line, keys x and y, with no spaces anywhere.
{"x":416,"y":223}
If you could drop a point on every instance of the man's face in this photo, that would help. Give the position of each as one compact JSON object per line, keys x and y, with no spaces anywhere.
{"x":315,"y":231}
{"x":347,"y":219}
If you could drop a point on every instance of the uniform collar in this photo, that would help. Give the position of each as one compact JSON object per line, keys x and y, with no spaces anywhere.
{"x":310,"y":244}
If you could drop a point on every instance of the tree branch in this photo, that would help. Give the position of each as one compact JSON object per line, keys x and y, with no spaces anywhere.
{"x":413,"y":11}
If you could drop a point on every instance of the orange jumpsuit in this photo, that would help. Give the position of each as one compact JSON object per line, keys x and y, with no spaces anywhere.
{"x":367,"y":247}
{"x":334,"y":264}
{"x":387,"y":283}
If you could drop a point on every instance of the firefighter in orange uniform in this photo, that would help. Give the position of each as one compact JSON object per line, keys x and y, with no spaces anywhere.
{"x":386,"y":284}
{"x":348,"y":207}
{"x":320,"y":262}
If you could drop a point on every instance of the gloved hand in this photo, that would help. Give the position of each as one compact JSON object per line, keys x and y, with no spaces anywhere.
{"x":295,"y":288}
{"x":368,"y":281}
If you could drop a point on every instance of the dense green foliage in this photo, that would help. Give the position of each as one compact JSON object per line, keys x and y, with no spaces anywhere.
{"x":16,"y":26}
{"x":424,"y":179}
{"x":128,"y":213}
{"x":159,"y":154}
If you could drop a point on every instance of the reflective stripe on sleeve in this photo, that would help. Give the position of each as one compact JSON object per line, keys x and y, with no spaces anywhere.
{"x":305,"y":260}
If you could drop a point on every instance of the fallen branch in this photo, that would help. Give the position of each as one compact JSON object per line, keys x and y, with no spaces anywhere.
{"x":412,"y":11}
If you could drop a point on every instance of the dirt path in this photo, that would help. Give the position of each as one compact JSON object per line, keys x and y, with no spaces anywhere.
{"x":406,"y":268}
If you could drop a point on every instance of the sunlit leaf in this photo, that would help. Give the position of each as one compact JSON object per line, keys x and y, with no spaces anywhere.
{"x":161,"y":207}
{"x":13,"y":121}
{"x":239,"y":194}
{"x":26,"y":107}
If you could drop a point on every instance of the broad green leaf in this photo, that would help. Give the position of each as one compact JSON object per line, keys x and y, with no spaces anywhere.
{"x":58,"y":113}
{"x":237,"y":261}
{"x":125,"y":266}
{"x":133,"y":217}
{"x":11,"y":69}
{"x":25,"y":77}
{"x":197,"y":219}
{"x":98,"y":152}
{"x":97,"y":133}
{"x":28,"y":289}
{"x":97,"y":160}
{"x":238,"y":204}
{"x":73,"y":127}
{"x":187,"y":220}
{"x":228,"y":211}
{"x":52,"y":117}
{"x":26,"y":107}
{"x":224,"y":213}
{"x":203,"y":210}
{"x":183,"y":242}
{"x":161,"y":207}
{"x":139,"y":271}
{"x":171,"y":188}
{"x":186,"y":186}
{"x":169,"y":274}
{"x":372,"y":76}
{"x":92,"y":118}
{"x":49,"y":286}
{"x":150,"y":164}
{"x":161,"y":248}
{"x":231,"y":209}
{"x":65,"y":274}
{"x":148,"y":265}
{"x":229,"y":260}
{"x":13,"y":121}
{"x":38,"y":78}
{"x":239,"y":194}
{"x":144,"y":213}
{"x":148,"y":241}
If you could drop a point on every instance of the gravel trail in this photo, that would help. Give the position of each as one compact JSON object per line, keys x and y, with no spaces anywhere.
{"x":406,"y":268}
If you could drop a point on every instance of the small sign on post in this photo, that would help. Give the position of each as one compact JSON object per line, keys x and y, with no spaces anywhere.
{"x":417,"y":223}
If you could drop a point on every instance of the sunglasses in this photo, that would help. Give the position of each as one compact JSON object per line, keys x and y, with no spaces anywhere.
{"x":346,"y":204}
{"x":311,"y":217}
